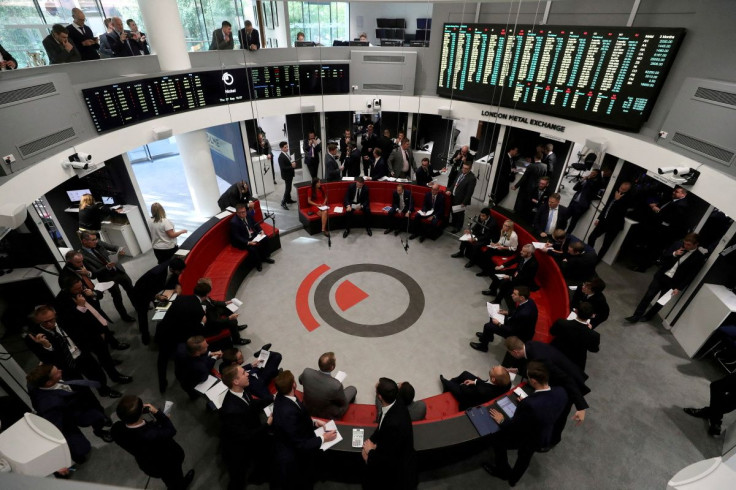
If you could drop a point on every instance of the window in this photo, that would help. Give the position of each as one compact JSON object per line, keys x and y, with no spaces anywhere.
{"x":321,"y":22}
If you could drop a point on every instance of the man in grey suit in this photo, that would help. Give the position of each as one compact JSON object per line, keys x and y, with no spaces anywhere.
{"x":461,"y":189}
{"x":222,"y":38}
{"x":324,"y":396}
{"x":401,"y":161}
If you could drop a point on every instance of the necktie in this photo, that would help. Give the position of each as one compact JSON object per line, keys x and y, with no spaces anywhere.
{"x":433,"y":199}
{"x":246,"y":398}
{"x":96,"y":314}
{"x":550,"y":220}
{"x":357,"y":195}
{"x":64,"y":346}
{"x":247,"y":227}
{"x":457,"y":183}
{"x":87,"y":281}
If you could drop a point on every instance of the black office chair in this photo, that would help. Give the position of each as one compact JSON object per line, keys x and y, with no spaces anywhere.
{"x":582,"y":166}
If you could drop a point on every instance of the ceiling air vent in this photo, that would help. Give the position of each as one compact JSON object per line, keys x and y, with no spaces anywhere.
{"x":26,"y":94}
{"x":383,"y":58}
{"x":42,"y":144}
{"x":392,"y":87}
{"x":720,"y":155}
{"x":718,"y":97}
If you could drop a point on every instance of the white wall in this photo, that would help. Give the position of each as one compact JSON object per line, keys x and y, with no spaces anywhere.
{"x":363,"y":16}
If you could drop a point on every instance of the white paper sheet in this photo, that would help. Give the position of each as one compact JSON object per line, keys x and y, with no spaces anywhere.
{"x":539,"y":245}
{"x":340,"y":376}
{"x":493,"y":312}
{"x":321,"y":430}
{"x":665,"y":298}
{"x":223,"y":214}
{"x":501,"y":276}
{"x":572,"y":315}
{"x":230,"y":208}
{"x":521,"y":393}
{"x":323,"y":208}
{"x":268,"y":410}
{"x":263,"y":358}
{"x":338,"y":209}
{"x":467,"y":237}
{"x":206,"y":384}
{"x":458,"y":208}
{"x":104,"y":286}
{"x":259,"y":237}
{"x":348,"y":179}
{"x":181,"y":252}
{"x":426,"y":213}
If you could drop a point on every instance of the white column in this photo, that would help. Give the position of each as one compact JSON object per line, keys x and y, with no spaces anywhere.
{"x":199,"y":171}
{"x":165,"y":33}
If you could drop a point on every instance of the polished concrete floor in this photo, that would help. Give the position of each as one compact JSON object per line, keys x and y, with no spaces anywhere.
{"x":635,"y":434}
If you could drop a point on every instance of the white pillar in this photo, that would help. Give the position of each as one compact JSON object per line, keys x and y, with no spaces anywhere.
{"x":165,"y":33}
{"x":199,"y":171}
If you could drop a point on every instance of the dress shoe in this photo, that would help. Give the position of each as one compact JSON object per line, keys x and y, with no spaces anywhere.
{"x":444,"y":383}
{"x":275,"y":183}
{"x":242,"y":327}
{"x":121,"y":346}
{"x":482,"y":274}
{"x":487,"y":292}
{"x":265,"y":347}
{"x":345,"y":233}
{"x":241,"y":341}
{"x":123,"y":379}
{"x":469,"y":264}
{"x":412,"y":236}
{"x":369,"y":232}
{"x":495,"y":471}
{"x":269,"y":260}
{"x":387,"y":231}
{"x":457,"y":255}
{"x":714,"y":430}
{"x":396,"y":233}
{"x":188,"y":479}
{"x":259,"y":267}
{"x":62,"y":476}
{"x":109,"y":393}
{"x":479,"y":335}
{"x":421,"y":239}
{"x":103,"y":434}
{"x":127,"y":318}
{"x":284,"y":206}
{"x":701,"y":413}
{"x":479,"y":346}
{"x":632,"y":318}
{"x":290,"y":201}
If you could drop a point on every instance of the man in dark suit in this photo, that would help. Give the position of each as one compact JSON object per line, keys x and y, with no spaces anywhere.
{"x":527,"y":185}
{"x":312,"y":149}
{"x":82,"y":37}
{"x":401,"y":161}
{"x":530,"y":429}
{"x":586,"y":192}
{"x":470,"y":391}
{"x":152,"y":286}
{"x":386,"y":144}
{"x":243,"y":233}
{"x":58,"y":47}
{"x":579,"y":263}
{"x":722,"y":401}
{"x":345,"y":141}
{"x":461,"y":190}
{"x":357,"y":199}
{"x":591,"y":292}
{"x":680,"y":264}
{"x":611,"y":220}
{"x":505,"y":174}
{"x":7,"y":62}
{"x":74,"y":267}
{"x":332,"y":167}
{"x":287,"y":173}
{"x":184,"y":318}
{"x":550,"y":159}
{"x":389,"y":452}
{"x":119,"y":40}
{"x":433,"y":201}
{"x":461,"y":156}
{"x":151,"y":442}
{"x":237,"y":193}
{"x":665,"y":223}
{"x":219,"y":316}
{"x":69,"y":405}
{"x":296,"y":444}
{"x":379,"y":167}
{"x":351,"y":165}
{"x":138,"y":39}
{"x":193,"y":364}
{"x":54,"y":345}
{"x":520,"y":323}
{"x":249,"y":37}
{"x":524,"y":275}
{"x":244,"y":437}
{"x":550,"y":217}
{"x":575,"y":338}
{"x":96,"y":254}
{"x":484,"y":231}
{"x":424,"y":173}
{"x":562,"y":372}
{"x":259,"y":376}
{"x":324,"y":396}
{"x":368,"y":143}
{"x":402,"y":205}
{"x":222,"y":38}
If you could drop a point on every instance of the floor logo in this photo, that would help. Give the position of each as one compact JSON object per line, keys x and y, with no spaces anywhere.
{"x":347,"y":295}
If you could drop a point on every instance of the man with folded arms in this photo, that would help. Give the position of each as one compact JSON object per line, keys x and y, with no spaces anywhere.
{"x":521,"y":322}
{"x":402,"y":206}
{"x":194,"y":363}
{"x":470,"y":391}
{"x":324,"y":396}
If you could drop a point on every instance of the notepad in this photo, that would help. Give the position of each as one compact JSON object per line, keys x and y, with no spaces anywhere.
{"x":340,"y":376}
{"x":665,"y":298}
{"x":104,"y":286}
{"x":467,"y":237}
{"x":259,"y":237}
{"x":539,"y":245}
{"x":458,"y":208}
{"x":235,"y":303}
{"x":426,"y":213}
{"x":338,"y":209}
{"x":268,"y":410}
{"x":323,"y":208}
{"x":321,"y":430}
{"x":263,"y":358}
{"x":493,"y":312}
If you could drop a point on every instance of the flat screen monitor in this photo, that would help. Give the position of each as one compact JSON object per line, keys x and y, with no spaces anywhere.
{"x":386,"y":42}
{"x":608,"y":76}
{"x":359,"y":43}
{"x":304,"y":44}
{"x":108,"y":200}
{"x":424,"y":23}
{"x":76,"y":196}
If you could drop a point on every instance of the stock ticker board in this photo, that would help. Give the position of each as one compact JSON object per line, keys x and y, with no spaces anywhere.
{"x":607,"y":76}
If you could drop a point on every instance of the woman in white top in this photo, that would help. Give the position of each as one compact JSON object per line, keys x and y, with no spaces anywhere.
{"x":163,"y":234}
{"x":506,"y":245}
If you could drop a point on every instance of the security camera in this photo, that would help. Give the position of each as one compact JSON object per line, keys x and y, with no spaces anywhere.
{"x":83,"y":157}
{"x":76,"y":165}
{"x":682,"y":170}
{"x":665,"y":170}
{"x":376,"y":103}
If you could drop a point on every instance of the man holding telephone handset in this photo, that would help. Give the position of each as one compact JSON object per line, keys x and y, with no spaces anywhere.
{"x":312,"y":150}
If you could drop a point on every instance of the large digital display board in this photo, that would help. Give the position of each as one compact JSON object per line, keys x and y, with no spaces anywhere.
{"x":608,"y":76}
{"x":126,"y":103}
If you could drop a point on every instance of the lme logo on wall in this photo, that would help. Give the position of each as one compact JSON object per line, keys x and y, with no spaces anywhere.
{"x":354,"y":307}
{"x":525,"y":120}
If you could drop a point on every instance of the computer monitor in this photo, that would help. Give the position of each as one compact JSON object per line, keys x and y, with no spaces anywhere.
{"x":358,"y":43}
{"x":340,"y":43}
{"x":419,"y":44}
{"x":303,"y":44}
{"x":424,"y":23}
{"x":108,"y":200}
{"x":392,"y":42}
{"x":76,"y":196}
